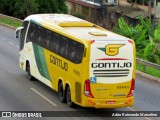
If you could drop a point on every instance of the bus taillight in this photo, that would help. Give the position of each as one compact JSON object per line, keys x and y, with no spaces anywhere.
{"x":131,"y":92}
{"x":130,"y":41}
{"x":92,"y":41}
{"x":87,"y":89}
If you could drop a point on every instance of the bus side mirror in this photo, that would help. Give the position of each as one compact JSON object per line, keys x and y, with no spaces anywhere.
{"x":18,"y":32}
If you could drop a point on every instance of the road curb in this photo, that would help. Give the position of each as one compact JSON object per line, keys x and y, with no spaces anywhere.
{"x":147,"y":76}
{"x":8,"y":26}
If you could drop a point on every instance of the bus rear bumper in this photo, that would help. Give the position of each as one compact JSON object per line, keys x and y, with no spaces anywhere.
{"x":109,"y":103}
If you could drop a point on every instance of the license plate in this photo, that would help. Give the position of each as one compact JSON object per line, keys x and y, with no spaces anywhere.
{"x":110,"y":102}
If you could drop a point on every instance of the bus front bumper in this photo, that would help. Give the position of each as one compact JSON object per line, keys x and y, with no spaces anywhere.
{"x":109,"y":103}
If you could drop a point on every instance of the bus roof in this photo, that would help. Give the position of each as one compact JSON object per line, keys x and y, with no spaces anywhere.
{"x":75,"y":26}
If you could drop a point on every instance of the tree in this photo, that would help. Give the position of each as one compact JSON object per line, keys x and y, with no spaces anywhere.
{"x":62,"y":6}
{"x":43,"y":6}
{"x":52,"y":6}
{"x":55,"y":7}
{"x":145,"y":36}
{"x":7,"y":7}
{"x":23,"y":8}
{"x":137,"y":33}
{"x":151,"y":52}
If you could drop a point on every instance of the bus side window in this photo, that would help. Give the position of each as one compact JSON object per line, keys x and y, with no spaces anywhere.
{"x":31,"y":33}
{"x":43,"y":35}
{"x":47,"y":40}
{"x":72,"y":51}
{"x":63,"y":47}
{"x":75,"y":52}
{"x":39,"y":36}
{"x":80,"y":50}
{"x":55,"y":42}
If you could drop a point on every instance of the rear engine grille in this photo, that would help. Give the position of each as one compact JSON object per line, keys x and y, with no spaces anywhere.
{"x":111,"y":73}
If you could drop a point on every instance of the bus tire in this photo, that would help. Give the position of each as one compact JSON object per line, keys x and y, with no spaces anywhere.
{"x":68,"y":97}
{"x":29,"y":72}
{"x":61,"y":93}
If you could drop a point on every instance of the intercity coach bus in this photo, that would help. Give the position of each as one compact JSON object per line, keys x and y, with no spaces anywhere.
{"x":86,"y":64}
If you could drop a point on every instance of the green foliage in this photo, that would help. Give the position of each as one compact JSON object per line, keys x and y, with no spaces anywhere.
{"x":145,"y":36}
{"x":27,"y":7}
{"x":149,"y":70}
{"x":46,"y":6}
{"x":151,"y":52}
{"x":10,"y":22}
{"x":147,"y":25}
{"x":136,"y":33}
{"x":62,"y":6}
{"x":7,"y":6}
{"x":127,"y":30}
{"x":157,"y":34}
{"x":23,"y":8}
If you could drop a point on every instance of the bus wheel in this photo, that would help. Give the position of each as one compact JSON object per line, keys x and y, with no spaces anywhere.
{"x":29,"y":72}
{"x":68,"y":97}
{"x":61,"y":92}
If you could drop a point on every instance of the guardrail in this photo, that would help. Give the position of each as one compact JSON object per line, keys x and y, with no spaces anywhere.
{"x":146,"y":63}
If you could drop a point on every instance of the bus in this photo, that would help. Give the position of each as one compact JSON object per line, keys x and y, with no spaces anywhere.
{"x":84,"y":63}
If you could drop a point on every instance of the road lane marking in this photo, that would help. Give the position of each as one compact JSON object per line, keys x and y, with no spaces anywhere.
{"x":11,"y":43}
{"x":3,"y":39}
{"x":6,"y":39}
{"x":136,"y":110}
{"x":44,"y":97}
{"x":131,"y":109}
{"x":148,"y":118}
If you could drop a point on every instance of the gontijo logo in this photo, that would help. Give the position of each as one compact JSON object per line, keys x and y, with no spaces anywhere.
{"x":112,"y":49}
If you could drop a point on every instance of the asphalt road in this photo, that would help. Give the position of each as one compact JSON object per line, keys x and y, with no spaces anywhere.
{"x":17,"y":93}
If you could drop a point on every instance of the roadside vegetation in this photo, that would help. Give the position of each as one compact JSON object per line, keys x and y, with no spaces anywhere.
{"x":10,"y":22}
{"x":22,"y":8}
{"x":145,"y":36}
{"x":146,"y":39}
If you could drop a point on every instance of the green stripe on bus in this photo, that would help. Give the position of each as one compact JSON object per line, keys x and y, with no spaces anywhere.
{"x":37,"y":57}
{"x":41,"y":61}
